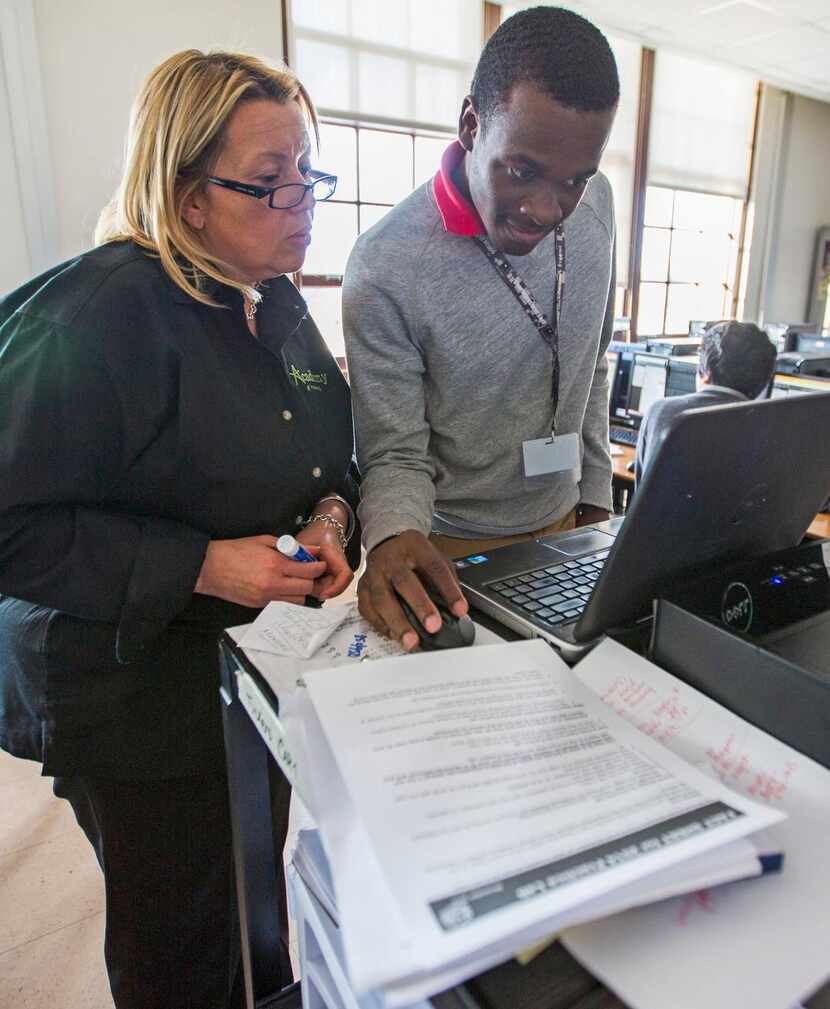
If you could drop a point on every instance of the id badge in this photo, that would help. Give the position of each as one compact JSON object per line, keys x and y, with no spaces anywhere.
{"x":546,"y":455}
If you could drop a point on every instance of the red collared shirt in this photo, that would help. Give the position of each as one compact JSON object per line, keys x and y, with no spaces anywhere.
{"x":458,"y":215}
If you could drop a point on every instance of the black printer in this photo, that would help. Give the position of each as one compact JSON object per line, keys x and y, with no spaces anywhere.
{"x":755,"y":636}
{"x":799,"y":362}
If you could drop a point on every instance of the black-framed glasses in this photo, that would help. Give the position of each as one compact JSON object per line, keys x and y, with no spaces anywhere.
{"x":284,"y":197}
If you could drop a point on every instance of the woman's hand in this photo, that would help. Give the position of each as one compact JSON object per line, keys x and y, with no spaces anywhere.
{"x":325,"y":542}
{"x":252,"y":572}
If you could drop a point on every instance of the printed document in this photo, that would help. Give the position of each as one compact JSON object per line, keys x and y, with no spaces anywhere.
{"x":479,"y":796}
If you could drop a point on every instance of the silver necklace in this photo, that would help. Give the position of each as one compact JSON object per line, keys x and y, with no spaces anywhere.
{"x":252,"y":306}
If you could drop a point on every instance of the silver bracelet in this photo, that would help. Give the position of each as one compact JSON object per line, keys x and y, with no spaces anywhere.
{"x":349,"y":512}
{"x":330,"y":520}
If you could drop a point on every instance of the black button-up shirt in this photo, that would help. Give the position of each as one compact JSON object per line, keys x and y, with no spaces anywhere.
{"x":137,"y":424}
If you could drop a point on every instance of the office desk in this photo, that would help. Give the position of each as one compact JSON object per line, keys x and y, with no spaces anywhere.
{"x":623,"y":481}
{"x":554,"y":980}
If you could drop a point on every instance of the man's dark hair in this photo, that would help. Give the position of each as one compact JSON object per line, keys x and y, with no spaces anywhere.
{"x":559,"y":52}
{"x":737,"y":355}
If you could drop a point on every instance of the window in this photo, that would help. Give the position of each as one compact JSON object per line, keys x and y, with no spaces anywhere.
{"x":406,"y":62}
{"x":388,"y":87}
{"x":700,"y":147}
{"x":375,"y":169}
{"x":689,"y":258}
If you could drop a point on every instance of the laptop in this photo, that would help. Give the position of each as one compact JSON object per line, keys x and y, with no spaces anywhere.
{"x":726,"y":482}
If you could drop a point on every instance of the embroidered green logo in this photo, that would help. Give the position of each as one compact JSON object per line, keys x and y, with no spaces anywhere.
{"x":312,"y":381}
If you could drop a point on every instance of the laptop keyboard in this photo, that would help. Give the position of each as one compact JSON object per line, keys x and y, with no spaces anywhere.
{"x":624,"y":435}
{"x":555,"y":594}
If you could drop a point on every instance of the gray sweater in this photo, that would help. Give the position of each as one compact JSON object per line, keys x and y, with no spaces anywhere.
{"x":662,"y":414}
{"x":449,"y":376}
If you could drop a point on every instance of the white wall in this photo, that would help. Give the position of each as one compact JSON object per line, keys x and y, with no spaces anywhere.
{"x":15,"y":262}
{"x":793,"y":201}
{"x":94,"y":56}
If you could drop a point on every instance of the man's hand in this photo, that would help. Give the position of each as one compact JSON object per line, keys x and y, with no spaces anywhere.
{"x":251,"y":572}
{"x":403,"y":565}
{"x":591,"y":514}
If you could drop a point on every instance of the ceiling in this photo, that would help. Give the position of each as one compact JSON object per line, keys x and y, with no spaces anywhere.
{"x":784,"y":42}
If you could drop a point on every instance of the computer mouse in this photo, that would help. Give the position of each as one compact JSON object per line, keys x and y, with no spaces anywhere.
{"x":455,"y":632}
{"x":630,"y":466}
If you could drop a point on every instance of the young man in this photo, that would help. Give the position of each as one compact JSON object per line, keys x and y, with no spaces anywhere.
{"x":457,"y":383}
{"x":737,"y":360}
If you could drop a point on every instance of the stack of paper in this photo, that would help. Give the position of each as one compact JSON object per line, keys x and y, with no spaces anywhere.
{"x":761,"y":944}
{"x":484,"y":798}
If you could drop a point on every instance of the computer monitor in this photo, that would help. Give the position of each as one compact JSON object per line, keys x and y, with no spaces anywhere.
{"x":785,"y":335}
{"x":777,"y":332}
{"x":648,"y":383}
{"x":682,"y":376}
{"x":812,"y":343}
{"x":639,"y":381}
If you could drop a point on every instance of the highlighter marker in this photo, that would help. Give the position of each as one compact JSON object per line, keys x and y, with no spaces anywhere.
{"x":289,"y":547}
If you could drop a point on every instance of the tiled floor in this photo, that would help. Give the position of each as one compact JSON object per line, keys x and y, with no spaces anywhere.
{"x":52,"y":898}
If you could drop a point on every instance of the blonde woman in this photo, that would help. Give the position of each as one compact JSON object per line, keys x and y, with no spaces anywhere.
{"x":168,"y":408}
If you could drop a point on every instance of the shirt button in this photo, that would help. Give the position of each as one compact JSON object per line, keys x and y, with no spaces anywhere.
{"x":287,"y":415}
{"x":316,"y":472}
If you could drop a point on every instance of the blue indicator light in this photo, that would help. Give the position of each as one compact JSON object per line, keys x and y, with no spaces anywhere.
{"x":776,"y":580}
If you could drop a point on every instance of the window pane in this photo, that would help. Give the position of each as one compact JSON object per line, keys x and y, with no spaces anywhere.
{"x":377,"y":21}
{"x":654,"y":264}
{"x":693,"y":301}
{"x":650,"y":312}
{"x":334,"y":234}
{"x":658,"y":210}
{"x":450,"y":28}
{"x":382,"y":86}
{"x":428,"y":154}
{"x":385,"y":166}
{"x":702,"y":212}
{"x":333,"y":15}
{"x":338,"y":155}
{"x":370,"y":215}
{"x":439,"y":92}
{"x":699,"y":258}
{"x":325,"y":73}
{"x":325,"y":306}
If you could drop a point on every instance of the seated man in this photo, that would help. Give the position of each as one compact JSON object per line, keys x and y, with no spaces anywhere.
{"x":467,"y":345}
{"x":737,"y":360}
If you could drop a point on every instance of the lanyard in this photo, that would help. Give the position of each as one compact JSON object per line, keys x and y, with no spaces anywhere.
{"x":547,"y":330}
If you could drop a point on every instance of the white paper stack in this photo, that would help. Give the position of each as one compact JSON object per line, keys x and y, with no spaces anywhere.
{"x":484,"y":798}
{"x":761,"y":944}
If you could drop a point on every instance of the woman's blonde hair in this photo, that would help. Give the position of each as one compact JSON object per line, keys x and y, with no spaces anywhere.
{"x":176,"y":130}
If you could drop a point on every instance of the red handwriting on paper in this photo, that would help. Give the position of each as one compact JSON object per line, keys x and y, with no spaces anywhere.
{"x":661,"y":718}
{"x":626,"y":693}
{"x":734,"y":767}
{"x":702,"y":900}
{"x":770,"y":787}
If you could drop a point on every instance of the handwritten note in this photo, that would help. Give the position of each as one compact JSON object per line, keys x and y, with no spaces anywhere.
{"x":762,"y":942}
{"x":660,"y":715}
{"x":295,"y":631}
